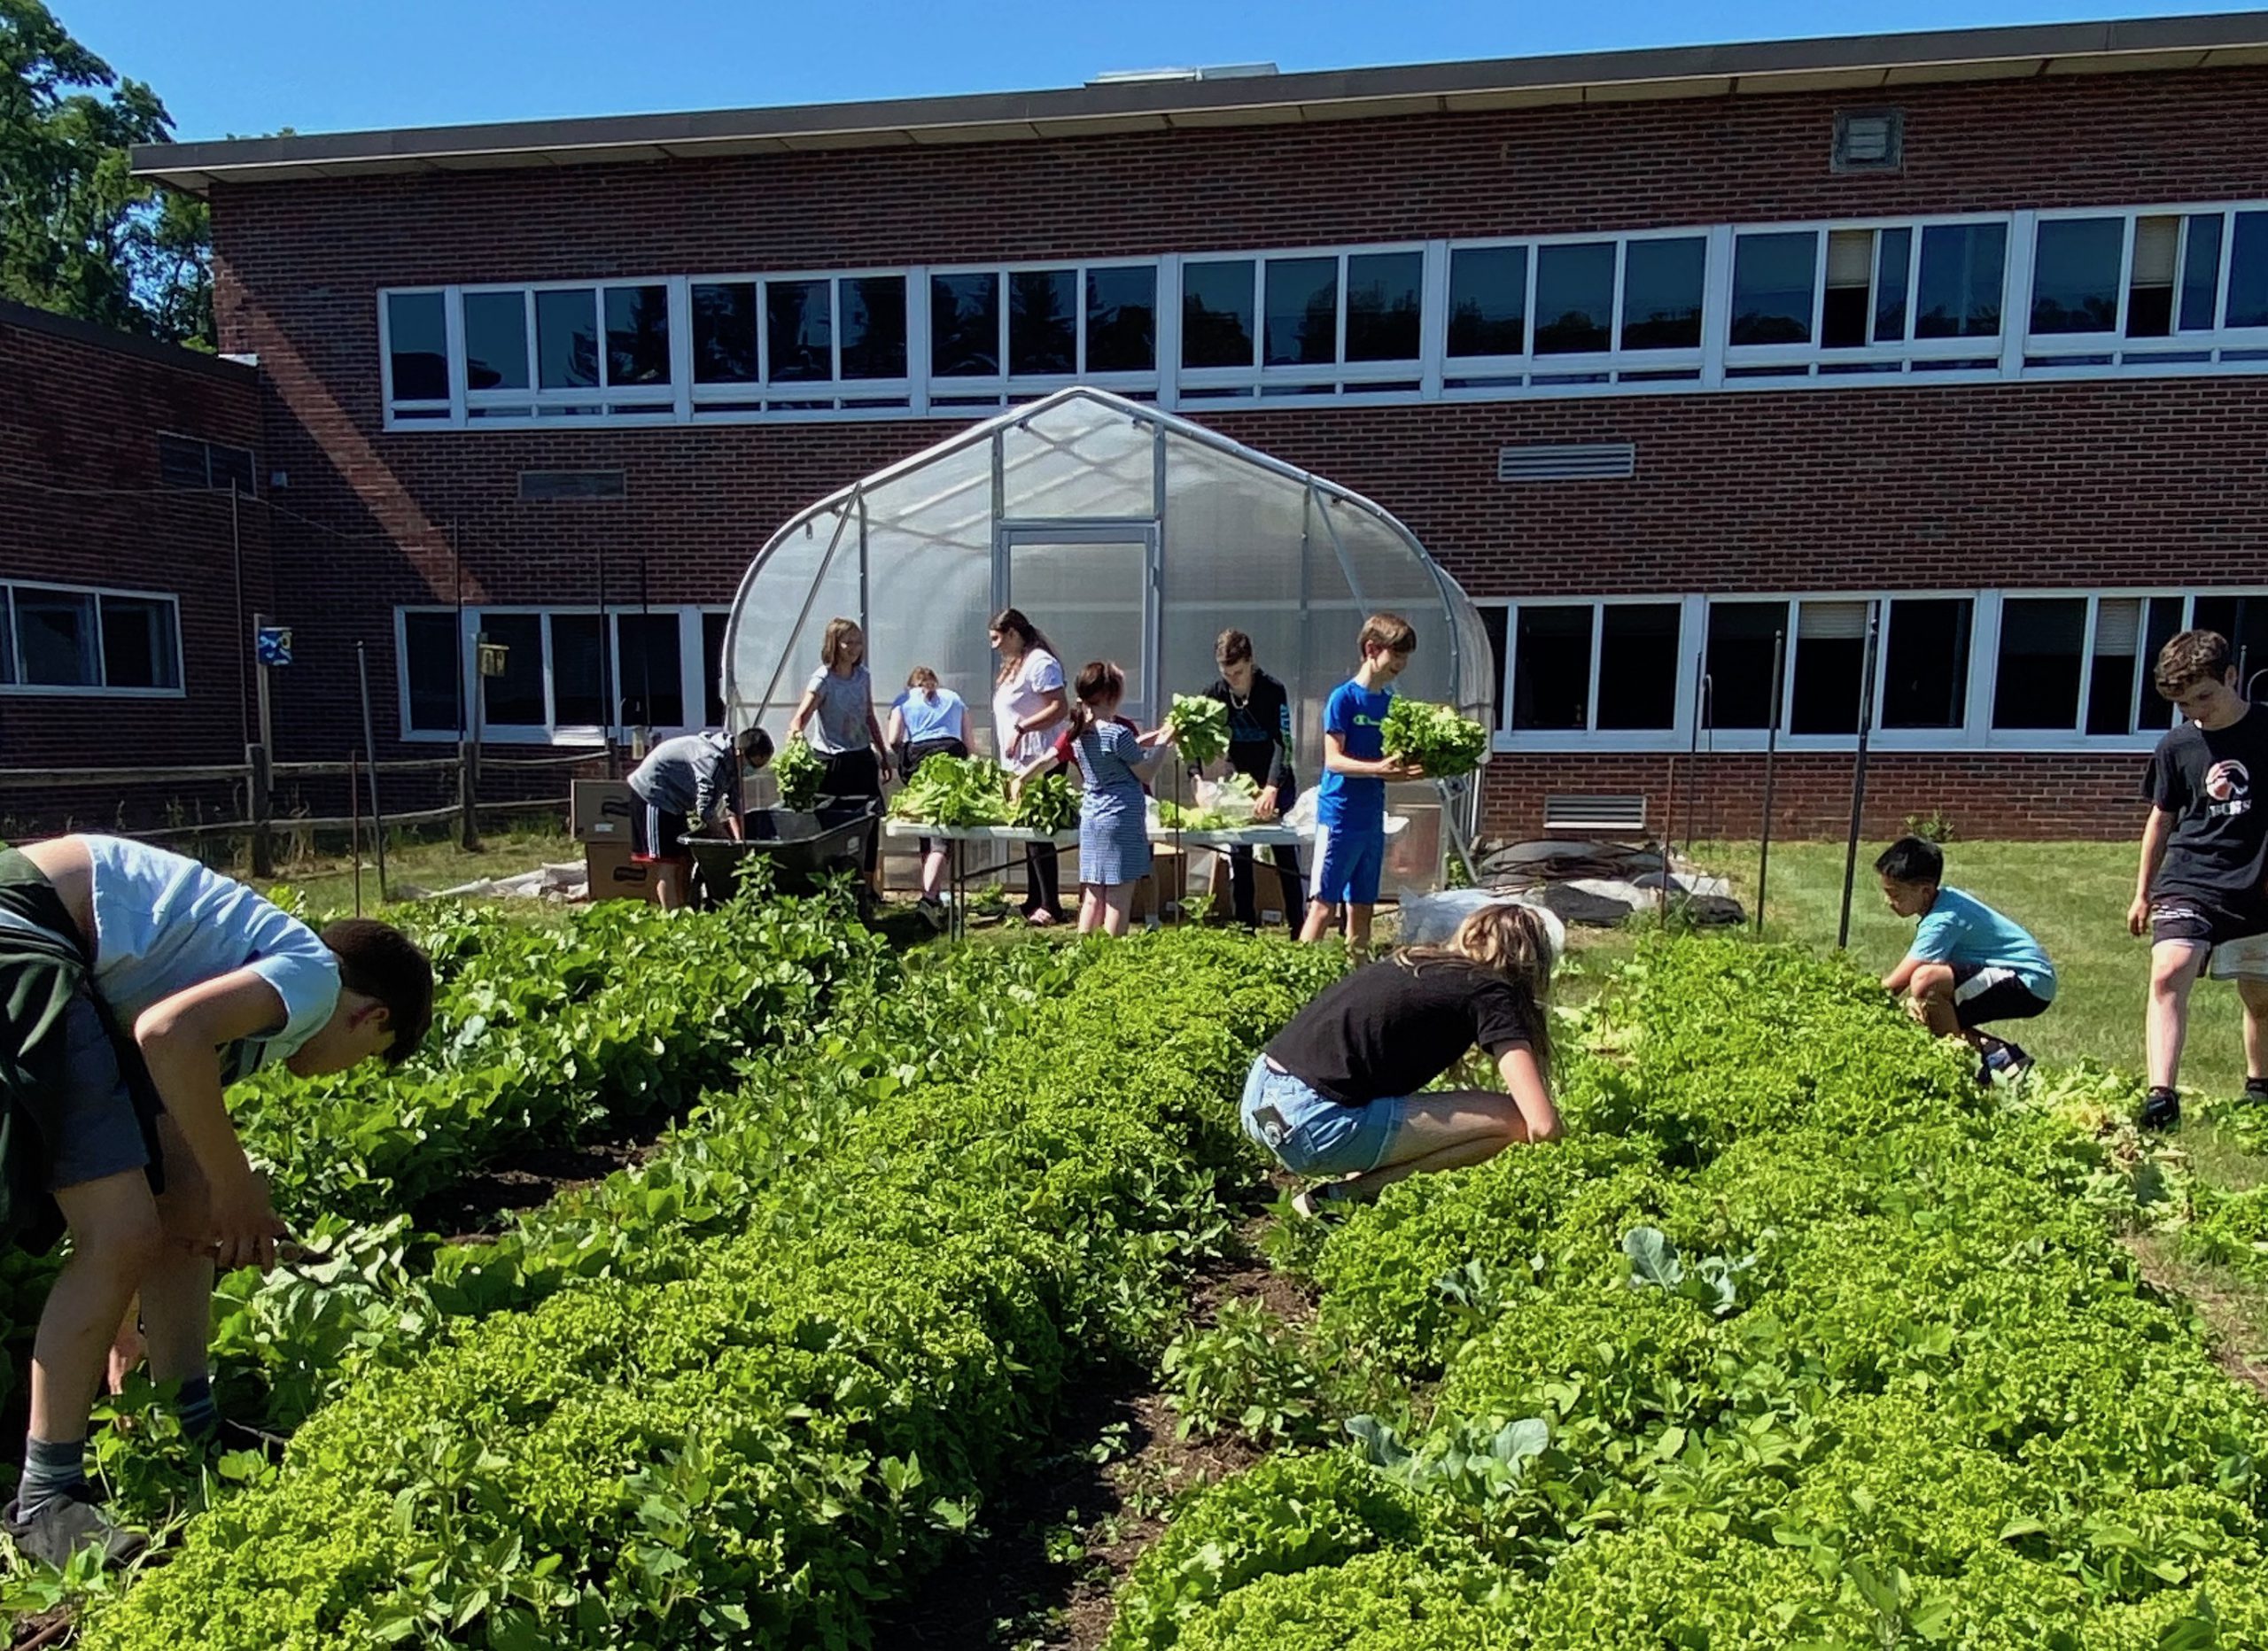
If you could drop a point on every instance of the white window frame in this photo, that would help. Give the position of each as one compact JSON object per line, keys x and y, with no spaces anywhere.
{"x":631,"y":404}
{"x":801,"y":398}
{"x":551,"y":732}
{"x":1591,"y":737}
{"x":2081,"y":354}
{"x":1573,"y":370}
{"x":1976,"y":733}
{"x":1338,"y":379}
{"x":997,"y":390}
{"x":16,"y":685}
{"x":2013,"y":357}
{"x":1932,"y":359}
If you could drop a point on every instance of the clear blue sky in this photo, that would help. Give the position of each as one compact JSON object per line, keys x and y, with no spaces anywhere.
{"x":250,"y":66}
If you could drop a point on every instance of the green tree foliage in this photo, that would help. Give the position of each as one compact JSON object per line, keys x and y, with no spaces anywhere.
{"x":79,"y":234}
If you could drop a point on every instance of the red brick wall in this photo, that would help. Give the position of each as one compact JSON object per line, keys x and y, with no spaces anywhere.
{"x":1983,"y":794}
{"x":80,"y":503}
{"x":2140,"y":480}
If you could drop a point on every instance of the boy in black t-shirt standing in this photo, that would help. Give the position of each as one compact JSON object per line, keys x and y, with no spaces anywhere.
{"x":2204,"y":859}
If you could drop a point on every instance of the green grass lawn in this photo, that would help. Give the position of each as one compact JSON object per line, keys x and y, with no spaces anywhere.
{"x":434,"y":862}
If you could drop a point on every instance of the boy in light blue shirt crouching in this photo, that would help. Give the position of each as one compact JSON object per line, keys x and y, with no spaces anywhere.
{"x":1969,"y":965}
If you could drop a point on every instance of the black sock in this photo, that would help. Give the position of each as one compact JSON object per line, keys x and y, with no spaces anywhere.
{"x":2255,"y":1088}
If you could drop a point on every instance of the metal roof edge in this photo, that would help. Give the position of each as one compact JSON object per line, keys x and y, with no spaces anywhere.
{"x":196,"y":166}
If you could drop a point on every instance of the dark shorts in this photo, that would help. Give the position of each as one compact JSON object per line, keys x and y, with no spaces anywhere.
{"x":2205,"y":922}
{"x":1982,"y":992}
{"x":90,"y":1127}
{"x":651,"y":825}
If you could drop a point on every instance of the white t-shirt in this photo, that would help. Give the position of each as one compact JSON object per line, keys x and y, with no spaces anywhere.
{"x":163,"y":923}
{"x":1038,"y":674}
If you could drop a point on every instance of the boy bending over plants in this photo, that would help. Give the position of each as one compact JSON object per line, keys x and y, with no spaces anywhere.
{"x":135,"y":987}
{"x":1336,"y":1093}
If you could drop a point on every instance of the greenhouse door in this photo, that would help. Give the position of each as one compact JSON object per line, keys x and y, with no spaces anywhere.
{"x":1094,"y":593}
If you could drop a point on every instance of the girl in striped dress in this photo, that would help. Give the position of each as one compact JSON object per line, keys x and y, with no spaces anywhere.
{"x":1116,"y":761}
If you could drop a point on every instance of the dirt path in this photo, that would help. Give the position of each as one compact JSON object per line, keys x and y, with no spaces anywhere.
{"x":2234,"y":1313}
{"x":1057,"y":1546}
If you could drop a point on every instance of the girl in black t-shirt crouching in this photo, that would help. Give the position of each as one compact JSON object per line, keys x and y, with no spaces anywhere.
{"x":1336,"y":1093}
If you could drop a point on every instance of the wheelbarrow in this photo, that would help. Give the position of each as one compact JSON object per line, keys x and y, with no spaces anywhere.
{"x":803,"y":849}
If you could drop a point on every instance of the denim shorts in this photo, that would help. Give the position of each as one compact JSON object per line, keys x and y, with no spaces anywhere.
{"x":1311,"y":1133}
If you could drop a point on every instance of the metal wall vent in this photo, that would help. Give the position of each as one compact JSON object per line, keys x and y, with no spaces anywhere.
{"x":550,"y":484}
{"x":1592,"y":461}
{"x":1869,"y":140}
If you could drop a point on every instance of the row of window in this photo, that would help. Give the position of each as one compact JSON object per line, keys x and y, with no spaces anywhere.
{"x":1981,"y":668}
{"x":559,"y":668}
{"x":2174,"y":289}
{"x":58,"y":639}
{"x":1952,"y":670}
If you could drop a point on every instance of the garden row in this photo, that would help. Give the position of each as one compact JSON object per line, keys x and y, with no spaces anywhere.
{"x":613,"y":1016}
{"x":1796,"y":1341}
{"x":607,"y":1020}
{"x":790,"y":1388}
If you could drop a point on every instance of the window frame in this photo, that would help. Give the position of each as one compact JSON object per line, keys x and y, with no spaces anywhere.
{"x":1975,"y":732}
{"x":993,"y":390}
{"x":602,"y":402}
{"x":694,"y":695}
{"x":2082,"y":354}
{"x":1949,"y":361}
{"x":1559,"y":370}
{"x":1590,"y":736}
{"x":2012,"y":356}
{"x":14,"y":633}
{"x":1339,"y":379}
{"x":764,"y":397}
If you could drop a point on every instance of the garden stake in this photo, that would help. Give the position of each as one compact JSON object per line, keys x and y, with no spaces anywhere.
{"x":1859,"y":774}
{"x":1771,"y":750}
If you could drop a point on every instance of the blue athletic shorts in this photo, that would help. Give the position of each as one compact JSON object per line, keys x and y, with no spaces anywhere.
{"x":1311,"y":1133}
{"x":1347,"y":861}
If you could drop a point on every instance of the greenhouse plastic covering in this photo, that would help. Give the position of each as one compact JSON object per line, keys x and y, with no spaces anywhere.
{"x":1122,"y":532}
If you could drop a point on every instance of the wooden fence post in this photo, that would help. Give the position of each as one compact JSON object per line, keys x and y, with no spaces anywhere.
{"x":263,"y":851}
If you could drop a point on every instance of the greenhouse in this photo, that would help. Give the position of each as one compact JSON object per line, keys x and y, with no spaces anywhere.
{"x":1124,"y":533}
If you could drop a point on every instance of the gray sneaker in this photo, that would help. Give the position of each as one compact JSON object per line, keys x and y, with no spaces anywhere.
{"x":71,"y":1522}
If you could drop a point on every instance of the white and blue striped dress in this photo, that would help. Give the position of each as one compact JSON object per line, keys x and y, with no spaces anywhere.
{"x":1113,"y":835}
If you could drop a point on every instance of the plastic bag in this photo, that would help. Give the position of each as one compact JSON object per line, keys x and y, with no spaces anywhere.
{"x":1233,"y":800}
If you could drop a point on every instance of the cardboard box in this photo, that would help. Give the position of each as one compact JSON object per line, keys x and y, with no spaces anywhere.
{"x":1165,"y":886}
{"x":615,"y":876}
{"x":1267,"y":890}
{"x":599,"y":811}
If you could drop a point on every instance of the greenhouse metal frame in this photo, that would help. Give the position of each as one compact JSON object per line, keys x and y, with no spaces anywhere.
{"x":1124,"y":533}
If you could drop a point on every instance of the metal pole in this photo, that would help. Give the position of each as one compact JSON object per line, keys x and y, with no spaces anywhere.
{"x":369,"y":748}
{"x":456,"y":588}
{"x":244,"y":665}
{"x":258,"y":758}
{"x":354,"y":804}
{"x":1771,"y":751}
{"x":607,"y":706}
{"x":1859,"y":774}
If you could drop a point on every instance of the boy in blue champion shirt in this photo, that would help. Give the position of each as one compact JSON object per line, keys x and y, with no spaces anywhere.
{"x":1967,"y":964}
{"x":1350,"y":802}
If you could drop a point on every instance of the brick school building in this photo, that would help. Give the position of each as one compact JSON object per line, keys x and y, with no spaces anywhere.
{"x":1958,"y":336}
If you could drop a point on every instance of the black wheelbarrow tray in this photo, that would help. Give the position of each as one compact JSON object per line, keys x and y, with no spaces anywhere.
{"x":803,"y":849}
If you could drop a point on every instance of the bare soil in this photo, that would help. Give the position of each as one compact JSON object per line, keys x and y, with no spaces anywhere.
{"x":1044,"y":1574}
